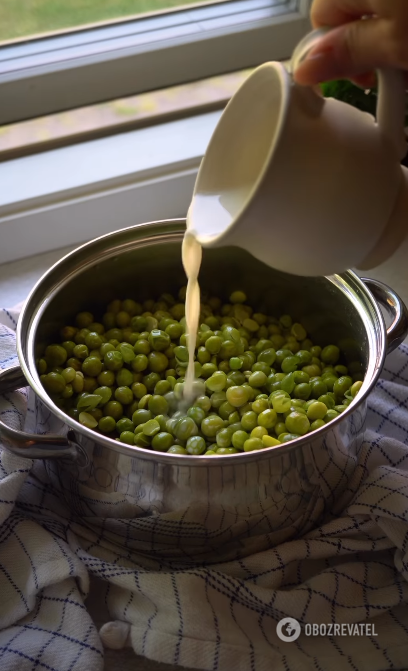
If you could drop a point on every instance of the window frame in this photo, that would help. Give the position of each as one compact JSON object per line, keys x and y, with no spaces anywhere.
{"x":53,"y":73}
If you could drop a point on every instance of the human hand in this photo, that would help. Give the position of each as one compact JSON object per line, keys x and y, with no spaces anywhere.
{"x":355,"y":48}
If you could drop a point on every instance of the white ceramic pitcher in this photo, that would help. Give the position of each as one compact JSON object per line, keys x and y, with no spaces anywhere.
{"x":308,"y":185}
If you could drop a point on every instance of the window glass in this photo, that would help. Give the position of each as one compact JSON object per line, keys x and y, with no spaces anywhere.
{"x":22,"y":18}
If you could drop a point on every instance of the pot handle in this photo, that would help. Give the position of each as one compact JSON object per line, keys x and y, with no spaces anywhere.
{"x":396,"y":309}
{"x":31,"y":445}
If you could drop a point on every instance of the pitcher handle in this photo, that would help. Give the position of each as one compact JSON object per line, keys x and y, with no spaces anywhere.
{"x":391,"y":105}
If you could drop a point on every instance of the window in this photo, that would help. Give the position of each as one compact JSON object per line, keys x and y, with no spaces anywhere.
{"x":69,"y":194}
{"x":45,"y":16}
{"x":91,"y":65}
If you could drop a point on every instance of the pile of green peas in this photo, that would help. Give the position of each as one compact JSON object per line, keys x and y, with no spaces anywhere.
{"x":260,"y":381}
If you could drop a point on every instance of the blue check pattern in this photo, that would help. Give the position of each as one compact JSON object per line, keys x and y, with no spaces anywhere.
{"x":353,"y":568}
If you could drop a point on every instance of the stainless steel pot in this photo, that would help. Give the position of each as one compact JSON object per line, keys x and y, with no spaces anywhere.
{"x":222,"y":502}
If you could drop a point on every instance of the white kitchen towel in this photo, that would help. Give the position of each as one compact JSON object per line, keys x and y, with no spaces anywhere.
{"x":351,"y":569}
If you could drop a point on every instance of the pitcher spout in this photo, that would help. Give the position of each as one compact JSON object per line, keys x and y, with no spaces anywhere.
{"x":395,"y":232}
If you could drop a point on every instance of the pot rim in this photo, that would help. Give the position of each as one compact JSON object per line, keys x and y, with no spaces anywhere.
{"x":27,"y":363}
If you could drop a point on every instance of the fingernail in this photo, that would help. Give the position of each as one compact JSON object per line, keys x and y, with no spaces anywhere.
{"x":318,"y":66}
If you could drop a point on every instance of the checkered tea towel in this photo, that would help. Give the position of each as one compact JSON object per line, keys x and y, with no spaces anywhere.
{"x":352,"y":569}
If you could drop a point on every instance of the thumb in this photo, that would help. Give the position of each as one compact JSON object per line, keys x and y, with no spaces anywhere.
{"x":348,"y":51}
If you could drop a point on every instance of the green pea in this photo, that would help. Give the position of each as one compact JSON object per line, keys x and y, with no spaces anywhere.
{"x":342,"y":385}
{"x":208,"y":369}
{"x":162,"y":387}
{"x":288,"y":437}
{"x":302,"y":391}
{"x":259,"y":432}
{"x":196,"y":413}
{"x":141,"y":346}
{"x":158,"y":405}
{"x":238,"y":297}
{"x":298,"y":331}
{"x":217,"y":382}
{"x":238,"y":439}
{"x":124,"y":378}
{"x":68,"y":346}
{"x":340,"y":408}
{"x":267,"y":356}
{"x":330,"y":415}
{"x":213,"y":344}
{"x":93,"y":340}
{"x":289,"y":364}
{"x":138,"y":323}
{"x":356,"y":388}
{"x":159,"y":340}
{"x":304,"y":357}
{"x":211,"y":425}
{"x":127,"y":437}
{"x":341,"y":370}
{"x":204,"y":402}
{"x":257,"y":379}
{"x":317,"y":410}
{"x":281,"y":355}
{"x":56,"y":355}
{"x":279,"y":428}
{"x":68,"y":374}
{"x":176,"y":449}
{"x":260,"y":404}
{"x":249,"y":420}
{"x":151,"y":428}
{"x":138,"y":389}
{"x":92,"y":366}
{"x":262,"y":367}
{"x":224,"y":437}
{"x":281,"y":402}
{"x":87,"y":420}
{"x":298,"y":423}
{"x":268,"y":419}
{"x":312,"y":370}
{"x":327,"y":400}
{"x":288,"y":383}
{"x":225,"y":410}
{"x":106,"y":424}
{"x":235,"y":363}
{"x":195,"y":445}
{"x":186,"y":427}
{"x":125,"y":424}
{"x":330,"y":354}
{"x":140,"y":363}
{"x":124,"y":395}
{"x":329,"y":380}
{"x":253,"y":444}
{"x":318,"y":388}
{"x":141,"y":417}
{"x":113,"y":360}
{"x":151,"y":380}
{"x":68,"y":332}
{"x":237,"y":396}
{"x":141,"y":440}
{"x":54,"y":383}
{"x":144,"y":402}
{"x":158,"y":362}
{"x":80,"y":351}
{"x":317,"y":424}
